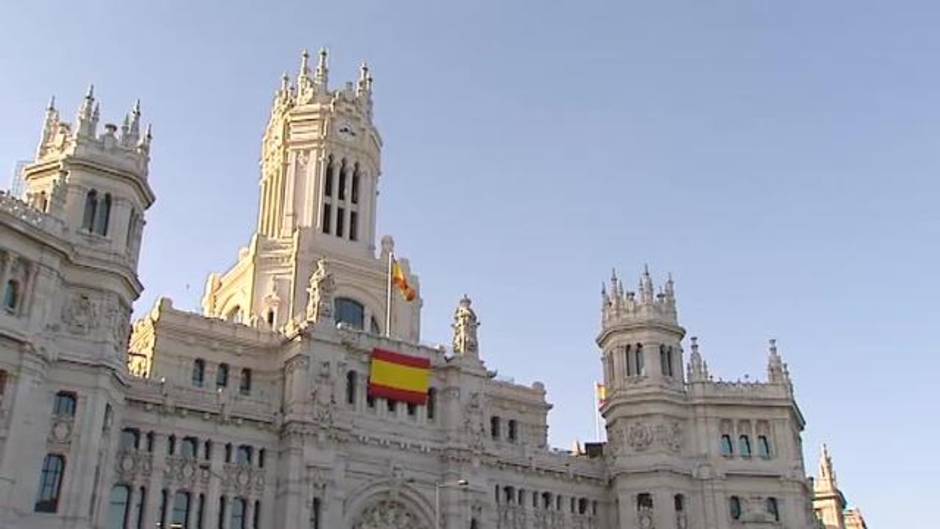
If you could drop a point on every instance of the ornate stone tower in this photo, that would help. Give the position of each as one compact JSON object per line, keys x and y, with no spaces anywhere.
{"x":645,"y":405}
{"x":320,"y":167}
{"x":828,"y":501}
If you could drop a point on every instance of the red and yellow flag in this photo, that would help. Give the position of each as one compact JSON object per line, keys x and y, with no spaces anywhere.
{"x":401,"y":281}
{"x":399,"y":377}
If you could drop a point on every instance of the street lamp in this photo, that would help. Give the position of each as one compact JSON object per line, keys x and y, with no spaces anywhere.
{"x":437,"y":497}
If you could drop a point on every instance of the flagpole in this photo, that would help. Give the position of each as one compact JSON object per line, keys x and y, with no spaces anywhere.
{"x":388,"y":296}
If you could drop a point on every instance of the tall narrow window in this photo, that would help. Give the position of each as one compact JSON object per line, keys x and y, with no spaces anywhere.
{"x":261,"y":454}
{"x":222,"y":512}
{"x":91,"y":211}
{"x":432,"y":403}
{"x":118,"y":508}
{"x":221,"y":376}
{"x":180,"y":516}
{"x":171,"y":445}
{"x":763,"y":446}
{"x":640,"y":368}
{"x":494,"y":427}
{"x":727,"y":447}
{"x":256,"y":516}
{"x":3,"y":382}
{"x":11,"y":295}
{"x":200,"y":511}
{"x":628,"y":361}
{"x":512,"y":432}
{"x":669,"y":357}
{"x":164,"y":500}
{"x":50,"y":482}
{"x":327,"y":217}
{"x":207,"y":450}
{"x":199,"y":372}
{"x":644,"y":501}
{"x":353,"y":226}
{"x":103,"y":215}
{"x":734,"y":507}
{"x":341,"y":188}
{"x":243,"y":456}
{"x":679,"y":501}
{"x":351,"y":380}
{"x":744,"y":446}
{"x":349,"y":311}
{"x":773,"y":509}
{"x":355,"y":185}
{"x":315,"y":514}
{"x":238,"y":514}
{"x":150,"y":440}
{"x":141,"y":507}
{"x":64,"y":404}
{"x":392,"y":405}
{"x":328,"y":178}
{"x":244,"y":385}
{"x":340,"y":221}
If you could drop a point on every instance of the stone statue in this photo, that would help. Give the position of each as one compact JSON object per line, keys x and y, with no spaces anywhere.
{"x":465,"y":328}
{"x":321,"y":290}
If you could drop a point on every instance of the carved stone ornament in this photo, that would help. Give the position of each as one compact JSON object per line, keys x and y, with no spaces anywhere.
{"x":80,"y":314}
{"x":465,"y":328}
{"x":321,"y":290}
{"x":473,"y":422}
{"x":639,"y":436}
{"x":669,"y":436}
{"x":61,"y":431}
{"x":645,"y":519}
{"x":388,"y":514}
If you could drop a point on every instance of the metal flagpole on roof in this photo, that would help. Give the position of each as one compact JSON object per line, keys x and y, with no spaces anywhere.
{"x":388,"y":296}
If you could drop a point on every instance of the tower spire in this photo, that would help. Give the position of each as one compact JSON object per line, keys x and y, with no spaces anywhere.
{"x":827,"y":474}
{"x":321,"y":76}
{"x":698,"y":369}
{"x":87,"y":120}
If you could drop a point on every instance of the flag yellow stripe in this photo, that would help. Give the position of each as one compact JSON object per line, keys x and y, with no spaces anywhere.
{"x":399,"y":376}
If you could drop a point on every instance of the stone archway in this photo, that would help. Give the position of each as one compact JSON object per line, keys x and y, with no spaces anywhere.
{"x":389,"y":513}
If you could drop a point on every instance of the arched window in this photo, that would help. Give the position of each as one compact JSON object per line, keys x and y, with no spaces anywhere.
{"x":644,"y":501}
{"x":64,"y":404}
{"x":734,"y":507}
{"x":341,"y":188}
{"x":350,"y":312}
{"x":354,"y":192}
{"x":512,"y":432}
{"x":118,"y":507}
{"x":91,"y":211}
{"x":727,"y":447}
{"x":222,"y":510}
{"x":234,"y":315}
{"x":328,"y":178}
{"x":664,"y":364}
{"x":11,"y":295}
{"x":180,"y":514}
{"x":50,"y":482}
{"x":628,"y":361}
{"x":244,"y":383}
{"x":199,"y":372}
{"x":640,"y":367}
{"x":351,"y":381}
{"x":546,"y":500}
{"x":42,"y":203}
{"x":243,"y":455}
{"x":744,"y":446}
{"x":494,"y":427}
{"x":103,"y":215}
{"x":189,"y":447}
{"x":221,"y":376}
{"x":270,"y":318}
{"x":582,"y":506}
{"x":763,"y":446}
{"x":130,"y":439}
{"x":432,"y":403}
{"x":679,"y":501}
{"x":238,"y":514}
{"x":773,"y":509}
{"x":509,"y":494}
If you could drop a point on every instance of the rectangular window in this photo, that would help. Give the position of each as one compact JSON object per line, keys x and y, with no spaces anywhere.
{"x":315,"y":514}
{"x":355,"y":188}
{"x":342,"y":185}
{"x":628,"y":361}
{"x":340,"y":219}
{"x":189,"y":447}
{"x":328,"y":180}
{"x":244,"y":386}
{"x":64,"y":404}
{"x":327,"y":217}
{"x":50,"y":482}
{"x":353,"y":226}
{"x":141,"y":507}
{"x":221,"y":512}
{"x":163,"y":501}
{"x":180,"y":509}
{"x":640,"y":369}
{"x":201,"y":511}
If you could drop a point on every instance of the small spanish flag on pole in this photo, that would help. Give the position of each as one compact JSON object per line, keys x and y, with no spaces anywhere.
{"x":397,"y":278}
{"x":399,"y":377}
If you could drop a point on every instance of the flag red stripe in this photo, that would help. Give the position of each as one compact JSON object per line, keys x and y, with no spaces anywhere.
{"x":398,"y":358}
{"x":403,"y":395}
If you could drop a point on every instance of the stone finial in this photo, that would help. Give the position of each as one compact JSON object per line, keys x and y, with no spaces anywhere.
{"x":388,"y":246}
{"x":465,"y":329}
{"x":304,"y":64}
{"x":827,"y":474}
{"x":697,"y":369}
{"x":777,"y":372}
{"x":320,"y":293}
{"x":321,"y":76}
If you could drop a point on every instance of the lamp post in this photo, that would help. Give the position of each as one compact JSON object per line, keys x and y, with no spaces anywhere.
{"x":437,"y":497}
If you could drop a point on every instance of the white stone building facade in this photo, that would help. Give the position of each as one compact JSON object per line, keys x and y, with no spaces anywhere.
{"x":255,"y":414}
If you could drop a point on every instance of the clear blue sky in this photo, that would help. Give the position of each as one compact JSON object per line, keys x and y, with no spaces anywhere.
{"x":779,"y":158}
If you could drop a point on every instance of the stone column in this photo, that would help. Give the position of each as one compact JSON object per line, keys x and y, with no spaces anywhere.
{"x":154,"y":488}
{"x":213,"y":492}
{"x":249,"y":513}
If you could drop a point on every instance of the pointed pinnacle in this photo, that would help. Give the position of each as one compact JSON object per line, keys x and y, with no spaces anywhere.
{"x":91,"y":92}
{"x":51,"y":106}
{"x":137,"y":107}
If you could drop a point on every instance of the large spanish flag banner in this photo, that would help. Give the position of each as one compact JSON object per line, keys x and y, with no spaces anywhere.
{"x":399,"y":377}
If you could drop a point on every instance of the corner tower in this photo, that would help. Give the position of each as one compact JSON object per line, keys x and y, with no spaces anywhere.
{"x":320,"y":167}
